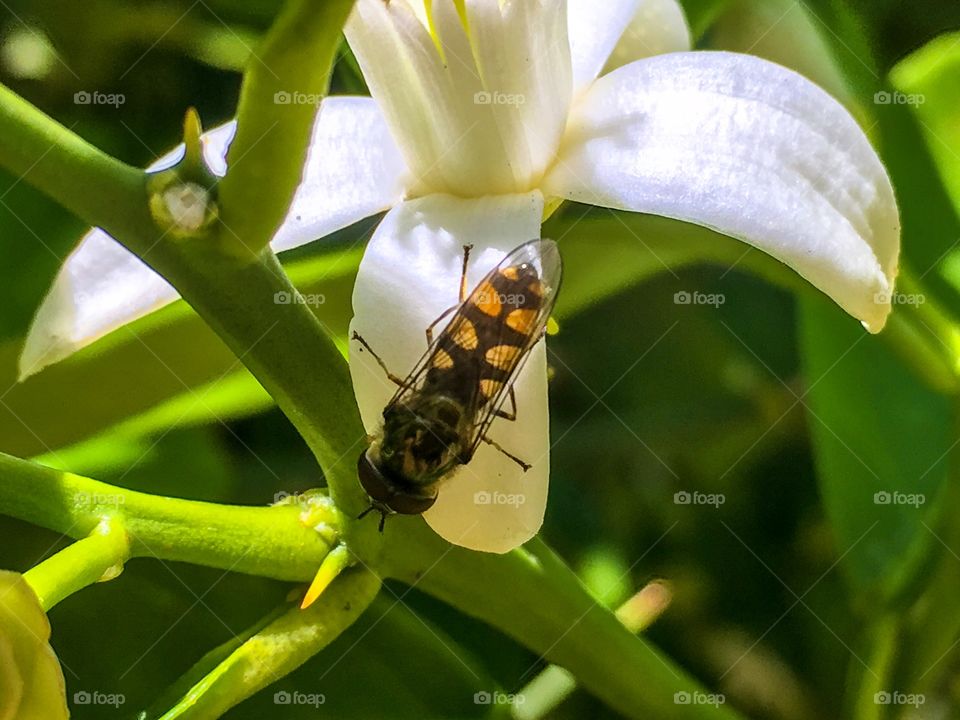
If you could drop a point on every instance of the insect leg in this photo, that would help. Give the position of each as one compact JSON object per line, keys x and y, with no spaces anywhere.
{"x":383,"y":515}
{"x":434,"y":323}
{"x":463,"y":273}
{"x":518,"y":461}
{"x":463,"y":294}
{"x":393,"y":378}
{"x":512,"y":415}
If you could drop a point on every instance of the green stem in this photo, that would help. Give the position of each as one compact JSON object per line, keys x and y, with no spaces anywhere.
{"x":547,"y":608}
{"x":286,"y":348}
{"x":95,"y":558}
{"x":97,"y":188}
{"x":531,"y":595}
{"x":883,"y":637}
{"x":269,"y":152}
{"x":554,"y":684}
{"x":267,"y":541}
{"x":279,"y":648}
{"x":206,"y":665}
{"x":921,"y":350}
{"x":935,"y":329}
{"x":284,"y":345}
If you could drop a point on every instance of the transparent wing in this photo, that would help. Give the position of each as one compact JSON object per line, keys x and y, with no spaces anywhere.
{"x":543,"y":255}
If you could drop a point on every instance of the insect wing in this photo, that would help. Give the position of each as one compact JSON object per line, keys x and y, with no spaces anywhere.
{"x":414,"y":381}
{"x":544,"y":257}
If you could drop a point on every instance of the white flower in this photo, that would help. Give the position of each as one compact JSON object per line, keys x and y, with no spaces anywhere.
{"x":481,"y":111}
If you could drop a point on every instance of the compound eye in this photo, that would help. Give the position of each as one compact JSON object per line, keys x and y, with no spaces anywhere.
{"x":372,"y":480}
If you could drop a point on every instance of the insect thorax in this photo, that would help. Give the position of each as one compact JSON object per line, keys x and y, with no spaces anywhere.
{"x":422,"y":440}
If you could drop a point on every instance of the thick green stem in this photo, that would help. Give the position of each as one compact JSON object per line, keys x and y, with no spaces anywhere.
{"x":95,"y":558}
{"x":86,"y":181}
{"x":285,"y":347}
{"x":547,"y":609}
{"x":279,"y":648}
{"x":531,"y":595}
{"x":282,"y":86}
{"x":267,"y":541}
{"x":554,"y":684}
{"x":283,"y":344}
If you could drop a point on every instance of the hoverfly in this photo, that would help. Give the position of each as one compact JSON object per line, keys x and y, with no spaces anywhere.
{"x":443,"y":408}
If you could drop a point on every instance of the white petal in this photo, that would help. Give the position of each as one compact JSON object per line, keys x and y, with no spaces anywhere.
{"x":594,"y":32}
{"x":747,"y":148}
{"x":409,"y":275}
{"x":215,"y":144}
{"x":353,"y":171}
{"x":484,"y":115}
{"x":100,"y":287}
{"x":657,"y":28}
{"x":621,"y":31}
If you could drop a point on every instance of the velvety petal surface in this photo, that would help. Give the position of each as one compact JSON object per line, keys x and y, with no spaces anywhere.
{"x":594,"y":31}
{"x":477,"y":101}
{"x":658,"y":27}
{"x":750,"y":149}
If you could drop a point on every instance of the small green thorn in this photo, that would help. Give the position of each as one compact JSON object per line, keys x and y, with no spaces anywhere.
{"x":192,"y":130}
{"x":336,"y":561}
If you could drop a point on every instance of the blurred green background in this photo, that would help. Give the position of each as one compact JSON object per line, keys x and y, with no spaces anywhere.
{"x":778,"y":401}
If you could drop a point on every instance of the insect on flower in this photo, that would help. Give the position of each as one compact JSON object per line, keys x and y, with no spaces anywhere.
{"x":444,"y":407}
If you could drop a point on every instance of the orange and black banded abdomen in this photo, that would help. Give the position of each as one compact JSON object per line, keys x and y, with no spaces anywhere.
{"x":483,"y":344}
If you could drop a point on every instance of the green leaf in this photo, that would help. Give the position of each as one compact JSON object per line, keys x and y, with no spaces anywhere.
{"x":876,"y":429}
{"x":928,"y":81}
{"x":927,"y":84}
{"x":701,"y":14}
